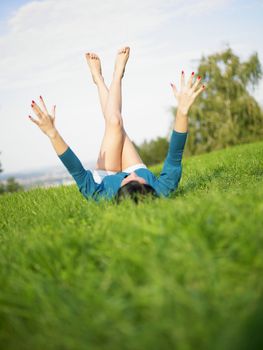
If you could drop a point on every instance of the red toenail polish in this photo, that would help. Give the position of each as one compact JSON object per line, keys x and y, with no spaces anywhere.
{"x":193,"y":73}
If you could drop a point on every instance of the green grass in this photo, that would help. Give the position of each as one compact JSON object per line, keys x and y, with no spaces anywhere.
{"x":179,"y":273}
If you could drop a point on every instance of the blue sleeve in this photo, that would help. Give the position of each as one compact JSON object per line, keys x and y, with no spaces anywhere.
{"x":84,"y":179}
{"x":172,"y":169}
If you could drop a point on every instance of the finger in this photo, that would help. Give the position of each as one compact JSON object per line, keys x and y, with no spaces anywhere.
{"x":174,"y":89}
{"x":197,"y":81}
{"x":182,"y":79}
{"x":43,"y":104}
{"x":33,"y":120}
{"x":199,"y":91}
{"x":53,"y":112}
{"x":37,"y":110}
{"x":190,"y":80}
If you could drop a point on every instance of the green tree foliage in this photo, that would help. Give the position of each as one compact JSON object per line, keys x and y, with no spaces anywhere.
{"x":0,"y":166}
{"x":225,"y":114}
{"x":153,"y":151}
{"x":11,"y":185}
{"x":2,"y":188}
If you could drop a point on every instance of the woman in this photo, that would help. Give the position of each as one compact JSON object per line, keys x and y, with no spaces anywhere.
{"x":120,"y":171}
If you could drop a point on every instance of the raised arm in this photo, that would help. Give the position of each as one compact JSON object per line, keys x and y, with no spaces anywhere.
{"x":46,"y":123}
{"x":172,"y":169}
{"x":185,"y":98}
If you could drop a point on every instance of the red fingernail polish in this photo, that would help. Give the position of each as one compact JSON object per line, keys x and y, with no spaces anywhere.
{"x":40,"y":97}
{"x":182,"y":72}
{"x":193,"y":73}
{"x":199,"y":77}
{"x":203,"y":86}
{"x":171,"y":84}
{"x":33,"y":101}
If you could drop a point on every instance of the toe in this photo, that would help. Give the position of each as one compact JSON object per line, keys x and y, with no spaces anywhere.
{"x":122,"y":50}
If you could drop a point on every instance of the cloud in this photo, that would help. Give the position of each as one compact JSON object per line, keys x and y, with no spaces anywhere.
{"x":46,"y":38}
{"x":52,"y":33}
{"x":197,"y":8}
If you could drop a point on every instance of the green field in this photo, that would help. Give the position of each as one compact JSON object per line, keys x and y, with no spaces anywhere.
{"x":179,"y":273}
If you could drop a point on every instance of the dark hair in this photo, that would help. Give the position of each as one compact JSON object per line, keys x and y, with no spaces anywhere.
{"x":136,"y":191}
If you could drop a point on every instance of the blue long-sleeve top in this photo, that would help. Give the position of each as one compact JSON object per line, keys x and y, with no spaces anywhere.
{"x":167,"y":181}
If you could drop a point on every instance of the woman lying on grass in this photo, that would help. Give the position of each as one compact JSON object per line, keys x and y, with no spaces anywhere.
{"x":120,"y":171}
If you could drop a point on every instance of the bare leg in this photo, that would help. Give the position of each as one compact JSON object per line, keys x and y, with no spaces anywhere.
{"x":112,"y":143}
{"x":129,"y":154}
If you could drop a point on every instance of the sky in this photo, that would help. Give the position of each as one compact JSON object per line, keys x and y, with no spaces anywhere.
{"x":42,"y":52}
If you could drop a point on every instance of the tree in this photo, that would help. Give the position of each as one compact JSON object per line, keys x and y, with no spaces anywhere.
{"x":1,"y":166}
{"x":225,"y":113}
{"x":11,"y":186}
{"x":153,"y":151}
{"x":2,"y":187}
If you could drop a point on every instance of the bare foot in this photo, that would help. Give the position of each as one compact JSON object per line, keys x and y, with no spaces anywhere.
{"x":95,"y":66}
{"x":121,"y":60}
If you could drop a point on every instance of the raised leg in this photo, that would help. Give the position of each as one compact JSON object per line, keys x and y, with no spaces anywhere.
{"x":112,"y":143}
{"x":129,"y":155}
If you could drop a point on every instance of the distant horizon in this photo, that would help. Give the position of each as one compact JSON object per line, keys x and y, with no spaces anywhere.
{"x":4,"y":174}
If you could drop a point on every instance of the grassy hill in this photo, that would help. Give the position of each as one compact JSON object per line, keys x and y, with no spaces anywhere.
{"x":180,"y":273}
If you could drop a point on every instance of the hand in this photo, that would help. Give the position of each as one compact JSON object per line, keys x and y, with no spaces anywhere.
{"x":187,"y":93}
{"x":46,"y":122}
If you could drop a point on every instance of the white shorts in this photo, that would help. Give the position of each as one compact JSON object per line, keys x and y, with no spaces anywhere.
{"x":98,"y":174}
